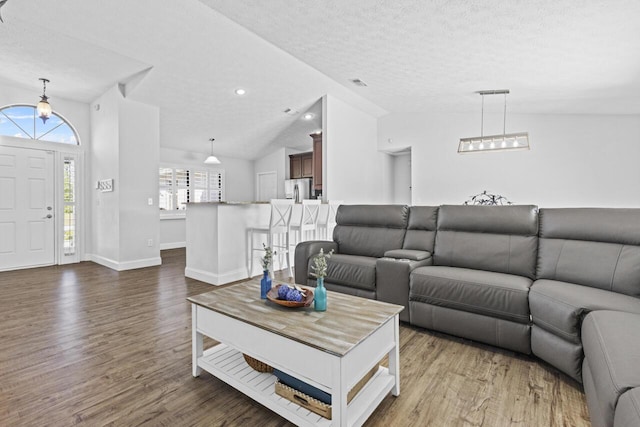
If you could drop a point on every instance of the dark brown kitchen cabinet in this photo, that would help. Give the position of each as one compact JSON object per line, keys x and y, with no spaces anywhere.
{"x":317,"y":161}
{"x":301,"y":165}
{"x":295,"y":166}
{"x":307,"y":166}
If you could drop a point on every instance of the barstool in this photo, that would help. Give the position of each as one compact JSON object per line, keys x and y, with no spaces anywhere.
{"x":278,"y":228}
{"x":308,"y":221}
{"x":328,"y":222}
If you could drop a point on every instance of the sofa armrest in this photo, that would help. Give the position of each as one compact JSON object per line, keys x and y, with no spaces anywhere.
{"x":392,"y":281}
{"x":306,"y":250}
{"x":411,"y":254}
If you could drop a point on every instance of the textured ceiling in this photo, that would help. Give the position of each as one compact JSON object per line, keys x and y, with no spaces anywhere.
{"x":563,"y":56}
{"x":197,"y":57}
{"x":556,"y":56}
{"x":78,"y":70}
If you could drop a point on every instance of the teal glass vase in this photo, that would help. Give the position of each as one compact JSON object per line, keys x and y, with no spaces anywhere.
{"x":265,"y":284}
{"x":320,"y":296}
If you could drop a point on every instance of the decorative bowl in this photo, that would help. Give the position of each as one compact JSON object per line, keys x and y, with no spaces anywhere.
{"x":272,"y":295}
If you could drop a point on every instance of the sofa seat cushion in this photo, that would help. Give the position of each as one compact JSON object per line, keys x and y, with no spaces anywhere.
{"x":611,"y":343}
{"x":498,"y":295}
{"x":628,"y":409}
{"x":559,"y":307}
{"x":350,"y":270}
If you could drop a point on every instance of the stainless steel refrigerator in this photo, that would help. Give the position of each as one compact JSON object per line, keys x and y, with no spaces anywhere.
{"x":297,"y":189}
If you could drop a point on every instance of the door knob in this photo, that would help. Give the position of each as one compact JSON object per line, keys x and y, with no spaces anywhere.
{"x":48,"y":216}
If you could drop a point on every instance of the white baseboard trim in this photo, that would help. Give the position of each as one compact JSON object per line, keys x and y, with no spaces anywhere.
{"x":172,"y":245}
{"x":127,"y":265}
{"x":216,"y":279}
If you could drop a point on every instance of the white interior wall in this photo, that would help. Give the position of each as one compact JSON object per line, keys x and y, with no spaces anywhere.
{"x":354,"y":169}
{"x":239,"y":181}
{"x":239,"y":186}
{"x":270,"y":163}
{"x":173,"y":233}
{"x":104,"y":158}
{"x":126,"y":149}
{"x":575,"y":160}
{"x":388,"y":172}
{"x":139,"y":140}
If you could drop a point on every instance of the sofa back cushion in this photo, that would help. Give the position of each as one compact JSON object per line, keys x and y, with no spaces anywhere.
{"x":492,"y":238}
{"x":370,"y":230}
{"x":421,"y":228}
{"x":597,"y":247}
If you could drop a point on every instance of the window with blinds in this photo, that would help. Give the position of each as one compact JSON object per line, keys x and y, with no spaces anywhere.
{"x":179,"y":186}
{"x":165,"y":200}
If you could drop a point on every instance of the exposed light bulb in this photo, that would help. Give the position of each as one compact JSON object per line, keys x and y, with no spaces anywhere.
{"x":504,"y":143}
{"x":481,"y":146}
{"x":492,"y":145}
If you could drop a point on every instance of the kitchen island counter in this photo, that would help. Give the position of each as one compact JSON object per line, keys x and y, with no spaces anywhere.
{"x":218,"y":240}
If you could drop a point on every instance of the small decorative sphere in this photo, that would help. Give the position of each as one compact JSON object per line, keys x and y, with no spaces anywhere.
{"x":294,"y":295}
{"x":282,"y":292}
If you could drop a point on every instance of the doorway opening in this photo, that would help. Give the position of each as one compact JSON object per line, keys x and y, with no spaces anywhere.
{"x":39,"y":207}
{"x":266,"y":186}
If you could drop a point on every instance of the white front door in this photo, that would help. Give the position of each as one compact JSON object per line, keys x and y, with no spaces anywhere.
{"x":26,"y":208}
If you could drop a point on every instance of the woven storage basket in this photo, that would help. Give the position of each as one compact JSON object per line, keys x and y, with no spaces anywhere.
{"x":256,"y":364}
{"x":314,"y":405}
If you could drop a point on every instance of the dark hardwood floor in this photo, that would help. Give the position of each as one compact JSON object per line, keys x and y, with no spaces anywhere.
{"x":83,"y":344}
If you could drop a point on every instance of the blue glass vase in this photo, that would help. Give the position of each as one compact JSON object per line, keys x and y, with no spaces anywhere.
{"x":320,"y":295}
{"x":265,"y":284}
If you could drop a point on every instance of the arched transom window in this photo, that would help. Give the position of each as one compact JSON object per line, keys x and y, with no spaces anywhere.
{"x":22,"y":121}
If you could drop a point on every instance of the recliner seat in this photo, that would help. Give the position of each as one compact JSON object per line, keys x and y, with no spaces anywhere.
{"x":484,"y":264}
{"x":588,"y":259}
{"x":611,"y":366}
{"x":376,"y":247}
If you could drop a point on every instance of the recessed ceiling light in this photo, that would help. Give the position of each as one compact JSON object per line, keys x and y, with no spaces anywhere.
{"x":240,"y":91}
{"x":308,"y":116}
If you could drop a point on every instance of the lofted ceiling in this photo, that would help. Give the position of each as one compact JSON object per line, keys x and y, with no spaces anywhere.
{"x":556,"y":56}
{"x":563,"y":56}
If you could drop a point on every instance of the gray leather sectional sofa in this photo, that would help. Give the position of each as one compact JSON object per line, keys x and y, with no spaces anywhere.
{"x":562,"y":284}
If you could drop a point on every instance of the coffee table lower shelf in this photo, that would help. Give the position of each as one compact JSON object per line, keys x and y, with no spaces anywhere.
{"x":228,"y":365}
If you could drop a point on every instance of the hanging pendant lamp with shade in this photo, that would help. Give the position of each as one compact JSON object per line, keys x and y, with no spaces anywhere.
{"x":43,"y":108}
{"x":212,"y":160}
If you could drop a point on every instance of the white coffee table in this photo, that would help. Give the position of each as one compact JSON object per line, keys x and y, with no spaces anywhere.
{"x":330,"y":350}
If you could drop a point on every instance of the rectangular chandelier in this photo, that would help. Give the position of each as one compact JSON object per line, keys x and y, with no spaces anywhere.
{"x":502,"y":142}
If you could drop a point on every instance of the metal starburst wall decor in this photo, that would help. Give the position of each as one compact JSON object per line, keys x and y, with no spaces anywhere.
{"x":488,"y":199}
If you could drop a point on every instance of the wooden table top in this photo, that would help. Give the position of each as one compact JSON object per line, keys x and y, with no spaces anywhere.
{"x":347,"y":321}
